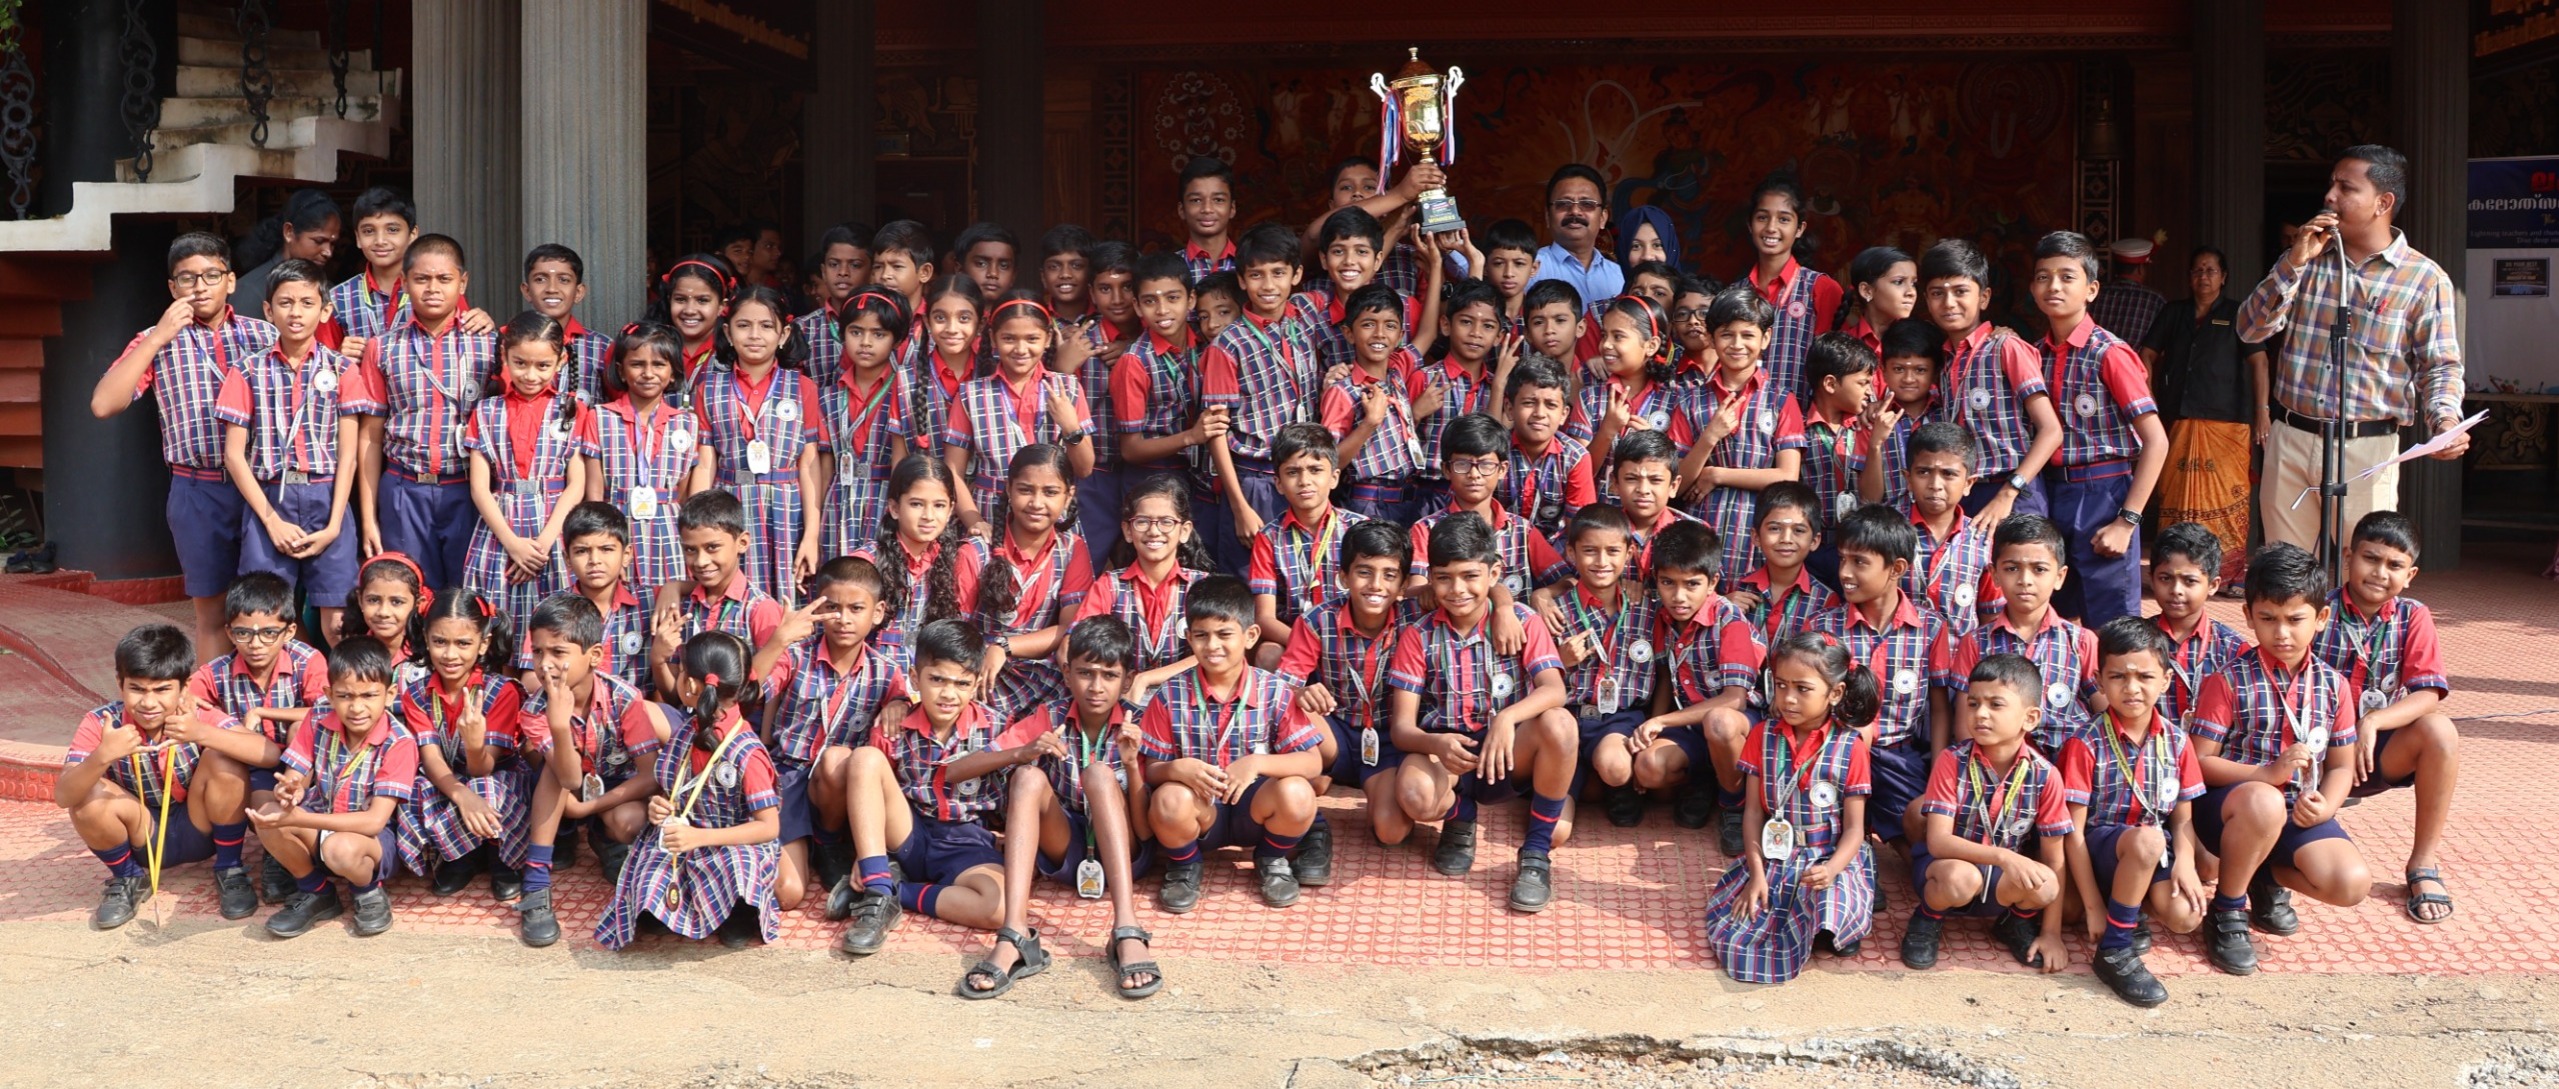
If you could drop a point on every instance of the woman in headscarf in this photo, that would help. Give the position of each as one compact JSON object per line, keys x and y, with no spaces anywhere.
{"x":1646,"y":233}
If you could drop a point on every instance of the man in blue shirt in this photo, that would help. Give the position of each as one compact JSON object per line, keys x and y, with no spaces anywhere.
{"x":1576,"y":211}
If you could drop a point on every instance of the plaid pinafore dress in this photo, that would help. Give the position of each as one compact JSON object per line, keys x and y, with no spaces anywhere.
{"x":525,"y":497}
{"x":428,"y":827}
{"x":788,"y":420}
{"x":693,"y":893}
{"x":656,"y":453}
{"x":1774,"y":946}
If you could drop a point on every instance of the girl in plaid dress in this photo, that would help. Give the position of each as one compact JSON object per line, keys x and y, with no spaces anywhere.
{"x":1023,"y":402}
{"x":1159,"y":558}
{"x":1022,"y":588}
{"x":1743,"y":431}
{"x":1805,"y":302}
{"x":863,"y":416}
{"x":389,"y":604}
{"x":1635,"y":394}
{"x":693,"y":296}
{"x":473,"y":788}
{"x":643,"y":451}
{"x":938,"y":359}
{"x":1806,"y":876}
{"x":708,"y":858}
{"x":525,"y":474}
{"x":918,"y":551}
{"x":762,"y":426}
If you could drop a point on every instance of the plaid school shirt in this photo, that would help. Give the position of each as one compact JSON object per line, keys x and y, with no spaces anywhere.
{"x":1393,"y":452}
{"x":1321,"y":309}
{"x":923,"y":762}
{"x":1204,"y":264}
{"x":345,"y":773}
{"x":1298,"y":565}
{"x":426,"y":384}
{"x":1529,"y":560}
{"x":1893,"y":447}
{"x":993,"y":419}
{"x":1619,"y":673}
{"x":1833,"y":456}
{"x":1155,"y":393}
{"x":185,"y":381}
{"x":1066,"y":774}
{"x":1842,"y":757}
{"x":892,"y":633}
{"x":1550,"y":485}
{"x":437,"y":721}
{"x":1909,"y":654}
{"x":859,"y":423}
{"x":1465,"y":391}
{"x":590,"y":356}
{"x":2119,"y":779}
{"x":359,"y":308}
{"x":2210,"y":650}
{"x":815,"y":705}
{"x":148,"y":771}
{"x":656,"y":452}
{"x":740,"y":609}
{"x":1462,"y":680}
{"x":1984,"y":386}
{"x":2406,"y":339}
{"x":1806,"y":303}
{"x":1659,"y":405}
{"x":1047,"y":583}
{"x":1325,"y":647}
{"x":1184,"y":721}
{"x":1995,"y":809}
{"x":1782,"y":612}
{"x":2254,"y":711}
{"x":1265,"y":372}
{"x":626,"y":637}
{"x":300,"y":679}
{"x":2100,"y":387}
{"x":2065,"y":655}
{"x":925,"y":390}
{"x":291,"y":419}
{"x":1643,"y":538}
{"x":1948,"y":577}
{"x":1770,"y":421}
{"x":1719,"y":648}
{"x":825,"y":338}
{"x":1095,"y":375}
{"x":602,"y":731}
{"x":1152,"y":610}
{"x":527,"y":442}
{"x":2386,"y":655}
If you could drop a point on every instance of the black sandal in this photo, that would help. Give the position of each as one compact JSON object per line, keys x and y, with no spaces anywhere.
{"x":1131,"y":968}
{"x":1031,"y":960}
{"x":2417,"y":900}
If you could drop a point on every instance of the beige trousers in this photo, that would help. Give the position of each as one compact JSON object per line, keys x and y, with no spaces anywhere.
{"x":2293,"y":463}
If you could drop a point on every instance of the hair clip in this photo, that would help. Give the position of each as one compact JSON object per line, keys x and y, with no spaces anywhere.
{"x":426,"y":596}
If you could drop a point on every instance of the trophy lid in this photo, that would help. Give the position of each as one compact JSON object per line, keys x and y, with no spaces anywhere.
{"x":1414,"y":67}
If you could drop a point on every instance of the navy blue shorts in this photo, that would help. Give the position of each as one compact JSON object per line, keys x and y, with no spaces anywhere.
{"x":389,"y":841}
{"x":185,"y":842}
{"x":1692,"y":744}
{"x":430,"y":522}
{"x":1234,"y":826}
{"x":1597,"y":730}
{"x":1079,"y":829}
{"x":263,"y":779}
{"x":2287,"y":842}
{"x":2102,"y":858}
{"x":204,"y":523}
{"x":939,"y":851}
{"x":328,"y":579}
{"x":2030,"y":501}
{"x":1346,"y":768}
{"x":1901,"y":777}
{"x":791,"y":785}
{"x":1097,"y":510}
{"x":1983,"y":906}
{"x":1228,"y":550}
{"x":2376,"y":783}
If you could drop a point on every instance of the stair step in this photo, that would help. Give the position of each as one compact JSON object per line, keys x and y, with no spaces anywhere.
{"x":20,"y":387}
{"x":218,"y":53}
{"x":25,"y":354}
{"x":38,"y":279}
{"x":239,"y":132}
{"x":208,"y":81}
{"x":180,"y":113}
{"x":223,"y":28}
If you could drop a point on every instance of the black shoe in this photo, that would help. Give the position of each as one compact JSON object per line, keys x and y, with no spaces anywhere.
{"x":873,"y":915}
{"x":840,"y":897}
{"x":1314,"y":862}
{"x":275,"y":883}
{"x":1625,"y":806}
{"x":609,"y":856}
{"x":1829,"y":942}
{"x":116,"y":902}
{"x":1919,"y":943}
{"x":2018,"y":933}
{"x":540,"y":926}
{"x":2270,"y":906}
{"x":1534,"y":887}
{"x":304,"y":910}
{"x":372,"y":911}
{"x":564,"y":853}
{"x":1728,"y":838}
{"x":506,"y":883}
{"x":1455,"y":855}
{"x":454,"y":875}
{"x":1694,"y":806}
{"x":1278,"y":879}
{"x":832,"y":862}
{"x":231,"y":885}
{"x":2141,"y":939}
{"x":2226,"y":942}
{"x":2122,"y":971}
{"x":742,"y":928}
{"x":1181,"y":889}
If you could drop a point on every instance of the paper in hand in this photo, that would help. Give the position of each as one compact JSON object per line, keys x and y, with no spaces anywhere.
{"x":2427,"y":448}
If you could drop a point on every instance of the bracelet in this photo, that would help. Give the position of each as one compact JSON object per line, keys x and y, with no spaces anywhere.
{"x":2129,"y":516}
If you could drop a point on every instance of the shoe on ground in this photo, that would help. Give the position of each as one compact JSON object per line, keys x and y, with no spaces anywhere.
{"x":116,"y":902}
{"x":1728,"y":837}
{"x":372,"y":911}
{"x":1693,"y":808}
{"x":1534,"y":887}
{"x":2226,"y":943}
{"x":1921,"y":942}
{"x":1455,"y":855}
{"x":1314,"y":862}
{"x":231,"y":886}
{"x":610,"y":855}
{"x":2018,"y":934}
{"x":741,"y":929}
{"x":1180,"y":891}
{"x":873,"y":915}
{"x":2270,"y":906}
{"x":506,"y":883}
{"x":455,"y":874}
{"x":541,"y":926}
{"x":275,"y":883}
{"x":2141,"y":939}
{"x":1277,"y":878}
{"x":304,"y":910}
{"x":1625,"y":806}
{"x":2122,"y":971}
{"x":840,"y":897}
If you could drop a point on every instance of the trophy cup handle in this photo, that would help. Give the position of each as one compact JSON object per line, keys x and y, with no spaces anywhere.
{"x":1456,"y":79}
{"x":1377,"y":84}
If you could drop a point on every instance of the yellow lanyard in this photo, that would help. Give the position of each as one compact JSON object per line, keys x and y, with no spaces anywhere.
{"x":684,"y":812}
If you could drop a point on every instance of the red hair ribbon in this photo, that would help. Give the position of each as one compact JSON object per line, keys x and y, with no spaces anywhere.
{"x":711,"y":679}
{"x":1045,"y":313}
{"x":728,"y":283}
{"x":426,"y":596}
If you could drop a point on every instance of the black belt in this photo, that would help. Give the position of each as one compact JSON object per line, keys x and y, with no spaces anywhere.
{"x":2354,"y":429}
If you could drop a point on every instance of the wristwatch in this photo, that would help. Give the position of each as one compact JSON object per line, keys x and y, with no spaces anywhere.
{"x":2017,"y":483}
{"x":1001,"y":642}
{"x":2129,"y":516}
{"x":1075,"y":436}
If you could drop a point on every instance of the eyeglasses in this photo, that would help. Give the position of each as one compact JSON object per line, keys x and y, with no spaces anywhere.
{"x":1156,"y":524}
{"x":257,"y":635}
{"x":1686,"y":314}
{"x":1584,"y":206}
{"x":1474,"y":467}
{"x":187,"y":281}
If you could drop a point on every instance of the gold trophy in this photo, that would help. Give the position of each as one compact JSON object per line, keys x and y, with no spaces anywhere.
{"x":1415,"y":109}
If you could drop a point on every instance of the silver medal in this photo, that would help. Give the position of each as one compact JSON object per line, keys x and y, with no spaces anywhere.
{"x":726,"y":776}
{"x":1777,"y":840}
{"x":759,"y":457}
{"x":326,"y":382}
{"x":591,"y":787}
{"x":1503,"y":686}
{"x":644,"y":503}
{"x":1088,"y":880}
{"x":1905,"y":681}
{"x":1825,"y":794}
{"x":2085,"y":404}
{"x":1368,"y":746}
{"x":1640,"y":651}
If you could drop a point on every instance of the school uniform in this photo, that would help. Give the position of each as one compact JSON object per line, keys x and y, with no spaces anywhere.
{"x":1719,"y":648}
{"x":1325,"y":647}
{"x":590,"y":358}
{"x":1259,"y":718}
{"x":949,"y":837}
{"x":2065,"y":655}
{"x":1048,"y":583}
{"x":1401,"y":268}
{"x":1657,"y":406}
{"x":824,"y":336}
{"x":1806,"y":303}
{"x":1911,"y":657}
{"x":1378,"y":482}
{"x":925,"y":390}
{"x":815,"y":706}
{"x":2254,"y":711}
{"x":161,"y":767}
{"x":1065,"y":776}
{"x":528,"y":445}
{"x":740,"y":609}
{"x":1267,"y":375}
{"x":1529,"y":560}
{"x":1299,"y":566}
{"x":1549,"y":486}
{"x":430,"y":825}
{"x":1204,"y":264}
{"x":859,"y":426}
{"x":1866,"y":334}
{"x":1893,"y":449}
{"x":1324,"y":307}
{"x":993,"y":419}
{"x":1984,"y":386}
{"x":645,"y":461}
{"x":779,"y":417}
{"x":1948,"y":575}
{"x":1806,"y":780}
{"x":2384,"y":657}
{"x":2101,"y":388}
{"x":1462,"y":391}
{"x":718,"y":783}
{"x":1097,"y":495}
{"x":358,"y":307}
{"x":185,"y":383}
{"x":908,"y":614}
{"x":1769,"y":423}
{"x":291,"y":412}
{"x":300,"y":680}
{"x":626,"y":638}
{"x":615,"y":712}
{"x":1152,"y":610}
{"x":1834,"y":453}
{"x":427,"y":384}
{"x":1643,"y":537}
{"x":2210,"y":650}
{"x":2129,"y":784}
{"x":2007,"y":812}
{"x":1783,"y":610}
{"x":1155,"y":393}
{"x":1611,"y":692}
{"x":1463,"y":682}
{"x":347,"y":773}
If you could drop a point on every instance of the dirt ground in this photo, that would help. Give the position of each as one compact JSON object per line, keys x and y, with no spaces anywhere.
{"x":205,"y":1005}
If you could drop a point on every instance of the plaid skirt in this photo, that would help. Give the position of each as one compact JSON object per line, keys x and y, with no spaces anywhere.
{"x":853,"y":505}
{"x":1774,"y":946}
{"x":657,"y":556}
{"x":773,"y":521}
{"x":1730,"y":511}
{"x":484,"y":565}
{"x":428,"y":828}
{"x":691,"y":893}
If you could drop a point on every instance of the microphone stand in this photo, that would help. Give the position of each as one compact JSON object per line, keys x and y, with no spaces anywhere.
{"x":2332,"y":431}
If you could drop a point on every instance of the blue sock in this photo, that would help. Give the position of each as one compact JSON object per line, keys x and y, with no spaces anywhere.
{"x":1543,"y":812}
{"x":1927,"y":912}
{"x":2230,"y":903}
{"x":874,"y":872}
{"x":226,"y":844}
{"x":537,"y":867}
{"x":2121,"y":918}
{"x":915,"y":896}
{"x":315,"y":881}
{"x":370,"y":884}
{"x":1729,"y":798}
{"x":1183,"y":855}
{"x":1274,"y":845}
{"x":120,"y":861}
{"x":1464,"y":810}
{"x":826,"y":836}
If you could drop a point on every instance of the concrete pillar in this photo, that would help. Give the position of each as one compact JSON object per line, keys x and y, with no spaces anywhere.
{"x":840,"y":181}
{"x":467,"y":94}
{"x":1011,"y":111}
{"x":2230,"y":141}
{"x":585,"y":149}
{"x":2430,"y":123}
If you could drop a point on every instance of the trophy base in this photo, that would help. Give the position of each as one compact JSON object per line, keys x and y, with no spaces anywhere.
{"x":1439,"y":213}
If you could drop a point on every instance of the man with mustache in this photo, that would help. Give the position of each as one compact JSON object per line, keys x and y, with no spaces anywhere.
{"x":1576,"y":211}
